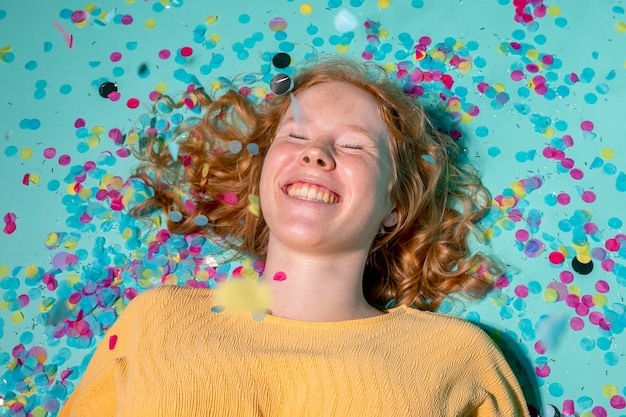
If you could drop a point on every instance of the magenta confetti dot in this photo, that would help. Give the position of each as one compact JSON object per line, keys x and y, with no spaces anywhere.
{"x":563,"y":199}
{"x":589,"y":196}
{"x":280,"y":276}
{"x":80,"y":122}
{"x":89,"y":166}
{"x":521,"y":291}
{"x":539,"y":80}
{"x":189,"y":206}
{"x":517,"y":75}
{"x":542,"y":371}
{"x":116,"y":135}
{"x":127,"y":19}
{"x":540,"y":347}
{"x":598,"y":411}
{"x":587,"y":126}
{"x":602,"y":286}
{"x":78,"y":16}
{"x":49,"y":153}
{"x":576,"y":323}
{"x":522,"y":235}
{"x":64,"y":160}
{"x":547,"y":59}
{"x":568,"y":140}
{"x":595,"y":318}
{"x":123,"y":152}
{"x":115,"y":56}
{"x":612,"y":245}
{"x":576,"y":174}
{"x":572,"y":300}
{"x":618,"y":402}
{"x":567,"y":163}
{"x":132,"y":103}
{"x":186,"y":51}
{"x":114,"y":96}
{"x":566,"y":277}
{"x":587,"y":300}
{"x":164,"y":53}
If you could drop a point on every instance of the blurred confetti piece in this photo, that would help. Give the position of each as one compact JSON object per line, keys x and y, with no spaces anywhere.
{"x":550,"y":329}
{"x":69,"y":39}
{"x":174,"y":148}
{"x":253,"y":205}
{"x":296,"y":110}
{"x":229,"y":198}
{"x":345,"y":21}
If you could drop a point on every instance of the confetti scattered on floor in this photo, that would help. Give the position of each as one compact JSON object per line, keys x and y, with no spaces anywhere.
{"x":532,"y":88}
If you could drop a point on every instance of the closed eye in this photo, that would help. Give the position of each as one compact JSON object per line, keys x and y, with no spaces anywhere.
{"x":297,"y":136}
{"x":350,"y":146}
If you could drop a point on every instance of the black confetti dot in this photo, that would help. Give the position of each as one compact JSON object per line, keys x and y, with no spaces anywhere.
{"x":281,"y":84}
{"x":581,"y":268}
{"x":107,"y":88}
{"x":281,"y":60}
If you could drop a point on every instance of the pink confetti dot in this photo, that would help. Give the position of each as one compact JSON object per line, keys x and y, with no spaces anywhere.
{"x":115,"y":56}
{"x":576,"y":323}
{"x":612,"y":245}
{"x":127,"y":19}
{"x":114,"y":96}
{"x":582,"y":309}
{"x":280,"y":276}
{"x":229,"y":198}
{"x":164,"y":53}
{"x":540,"y":348}
{"x":568,"y":140}
{"x":547,"y":59}
{"x":123,"y":152}
{"x":588,"y":300}
{"x":89,"y":166}
{"x":539,"y":80}
{"x":278,"y":24}
{"x":49,"y":153}
{"x":598,"y":411}
{"x":542,"y":371}
{"x":556,"y":258}
{"x":186,"y":51}
{"x":425,"y":40}
{"x":618,"y":402}
{"x":132,"y":103}
{"x":587,"y":126}
{"x":572,"y":300}
{"x":116,"y":135}
{"x":589,"y":196}
{"x":80,"y":122}
{"x":521,"y":291}
{"x":567,"y":163}
{"x":595,"y":318}
{"x":64,"y":160}
{"x":189,"y":206}
{"x":112,"y":341}
{"x":576,"y":174}
{"x":532,"y":68}
{"x":541,"y":89}
{"x":566,"y":277}
{"x":563,"y":199}
{"x":78,"y":16}
{"x":517,"y":75}
{"x":522,"y":235}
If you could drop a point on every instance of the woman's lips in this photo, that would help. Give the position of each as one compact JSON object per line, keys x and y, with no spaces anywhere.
{"x":311,"y":192}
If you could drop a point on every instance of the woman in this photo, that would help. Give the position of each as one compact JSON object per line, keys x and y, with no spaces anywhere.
{"x":363,"y":205}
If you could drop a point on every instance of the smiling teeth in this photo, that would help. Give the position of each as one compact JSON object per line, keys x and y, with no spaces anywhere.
{"x":311,"y":192}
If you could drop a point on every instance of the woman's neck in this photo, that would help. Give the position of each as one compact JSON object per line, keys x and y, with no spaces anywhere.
{"x":324,"y":287}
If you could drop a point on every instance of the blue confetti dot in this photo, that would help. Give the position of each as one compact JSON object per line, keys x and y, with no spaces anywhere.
{"x":615,"y":223}
{"x":131,"y":46}
{"x":618,"y":10}
{"x":611,"y":358}
{"x":65,"y":89}
{"x":356,"y":3}
{"x":602,"y":88}
{"x":317,"y":42}
{"x":560,"y":22}
{"x":518,"y":34}
{"x":31,"y":65}
{"x":493,"y":151}
{"x":118,"y":71}
{"x":54,"y":185}
{"x":534,"y":287}
{"x":3,"y":14}
{"x":244,"y":18}
{"x":10,"y":151}
{"x":311,"y":29}
{"x":158,"y":7}
{"x":610,"y":169}
{"x":39,"y":94}
{"x":555,"y":389}
{"x":587,"y":344}
{"x":591,"y":98}
{"x":333,"y":4}
{"x":482,"y":131}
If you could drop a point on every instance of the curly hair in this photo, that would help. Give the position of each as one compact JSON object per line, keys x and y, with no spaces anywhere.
{"x":440,"y":200}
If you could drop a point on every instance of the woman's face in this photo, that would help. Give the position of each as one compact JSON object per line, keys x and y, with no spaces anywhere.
{"x":326,"y":177}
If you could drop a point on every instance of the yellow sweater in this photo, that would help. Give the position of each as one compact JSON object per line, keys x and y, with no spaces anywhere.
{"x":169,"y":355}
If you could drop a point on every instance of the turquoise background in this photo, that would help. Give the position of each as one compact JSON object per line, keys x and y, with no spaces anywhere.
{"x":536,"y":88}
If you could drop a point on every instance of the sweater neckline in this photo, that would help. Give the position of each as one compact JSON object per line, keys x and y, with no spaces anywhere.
{"x":388,"y":315}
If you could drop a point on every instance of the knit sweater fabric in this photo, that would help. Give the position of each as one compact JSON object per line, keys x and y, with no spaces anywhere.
{"x":168,"y":354}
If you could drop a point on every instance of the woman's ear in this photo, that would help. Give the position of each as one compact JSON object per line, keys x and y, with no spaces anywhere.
{"x":392,"y":218}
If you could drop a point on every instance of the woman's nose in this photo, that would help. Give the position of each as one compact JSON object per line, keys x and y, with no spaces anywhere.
{"x":315,"y":155}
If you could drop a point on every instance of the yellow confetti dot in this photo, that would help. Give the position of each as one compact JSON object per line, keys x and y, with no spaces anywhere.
{"x":4,"y":305}
{"x":599,"y":300}
{"x":93,"y":141}
{"x":550,"y":295}
{"x":132,"y":138}
{"x":253,"y":205}
{"x":72,"y":279}
{"x":85,"y":193}
{"x":130,"y":1}
{"x":150,"y":23}
{"x":306,"y":8}
{"x":532,"y":54}
{"x":70,"y":188}
{"x":437,"y":55}
{"x":549,"y":132}
{"x":466,"y":118}
{"x":216,"y":85}
{"x":97,"y":130}
{"x":70,"y":244}
{"x":238,"y":295}
{"x":17,"y":317}
{"x":383,"y":33}
{"x":607,"y":153}
{"x":4,"y":271}
{"x":584,"y":258}
{"x":34,"y":179}
{"x":165,"y":2}
{"x":499,"y":87}
{"x":465,"y":66}
{"x":45,"y":306}
{"x":383,"y":4}
{"x":39,"y":411}
{"x":610,"y":391}
{"x":210,"y":20}
{"x":89,"y":7}
{"x":81,"y":24}
{"x":26,"y":153}
{"x":454,"y":105}
{"x":500,"y":300}
{"x":127,"y":233}
{"x":215,"y":38}
{"x":620,"y":27}
{"x":342,"y":49}
{"x":31,"y":271}
{"x":489,"y":233}
{"x":554,"y":10}
{"x":574,"y":289}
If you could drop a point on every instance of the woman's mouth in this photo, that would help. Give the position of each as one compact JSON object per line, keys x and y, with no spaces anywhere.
{"x":311,"y":192}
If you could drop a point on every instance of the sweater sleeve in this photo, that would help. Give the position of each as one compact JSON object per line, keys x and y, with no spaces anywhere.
{"x":96,"y":393}
{"x":497,"y":389}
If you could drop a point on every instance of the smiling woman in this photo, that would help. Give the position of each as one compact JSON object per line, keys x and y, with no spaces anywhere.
{"x":365,"y":211}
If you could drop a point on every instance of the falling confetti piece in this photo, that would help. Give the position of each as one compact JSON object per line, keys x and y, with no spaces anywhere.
{"x":254,"y":205}
{"x":345,"y":21}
